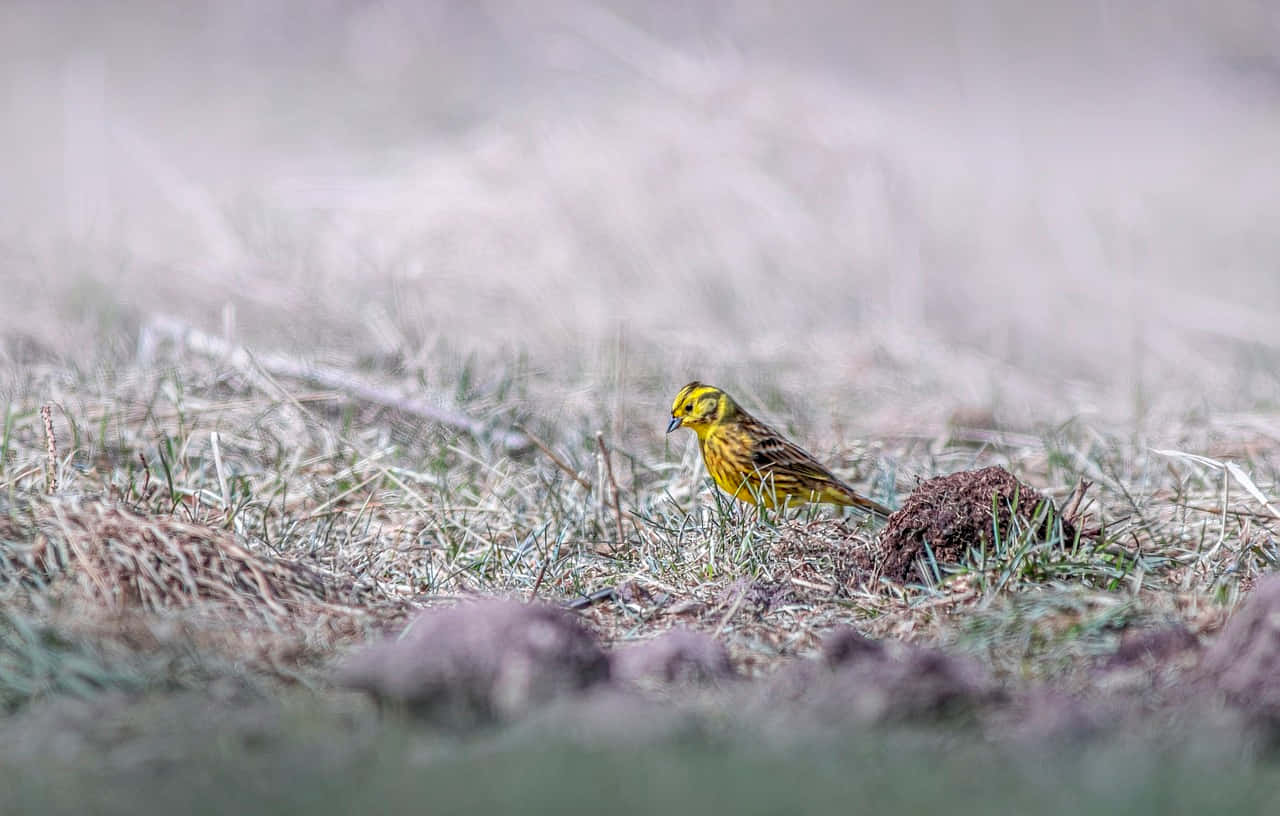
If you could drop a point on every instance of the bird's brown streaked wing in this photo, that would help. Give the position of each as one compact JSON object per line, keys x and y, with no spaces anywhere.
{"x":789,"y":463}
{"x":770,"y":451}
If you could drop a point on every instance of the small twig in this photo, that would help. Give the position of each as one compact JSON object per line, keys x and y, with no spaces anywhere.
{"x":597,"y":506}
{"x":222,"y":476}
{"x":537,"y":582}
{"x":1222,"y":532}
{"x":555,"y":458}
{"x":1243,"y":514}
{"x":943,"y":600}
{"x":1072,"y":507}
{"x":827,"y":588}
{"x":613,"y":485}
{"x":280,"y":365}
{"x":606,"y":594}
{"x":146,"y":479}
{"x":733,"y":610}
{"x":51,"y":451}
{"x":1094,"y":532}
{"x":322,"y":510}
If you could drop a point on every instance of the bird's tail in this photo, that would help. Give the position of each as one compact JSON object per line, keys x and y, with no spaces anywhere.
{"x":842,"y":494}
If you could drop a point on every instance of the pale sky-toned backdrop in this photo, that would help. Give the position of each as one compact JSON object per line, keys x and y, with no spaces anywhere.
{"x":1028,"y":210}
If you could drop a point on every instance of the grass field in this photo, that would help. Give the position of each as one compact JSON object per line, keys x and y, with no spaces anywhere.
{"x":338,"y":315}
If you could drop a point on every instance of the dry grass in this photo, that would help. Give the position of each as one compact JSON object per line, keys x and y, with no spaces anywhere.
{"x":316,"y":516}
{"x":116,"y":559}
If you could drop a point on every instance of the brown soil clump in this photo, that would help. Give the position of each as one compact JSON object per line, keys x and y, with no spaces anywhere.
{"x":1244,"y":661}
{"x":1150,"y":664}
{"x":1140,"y":648}
{"x":864,"y":680}
{"x":953,"y":514}
{"x":679,"y":657}
{"x":480,"y":662}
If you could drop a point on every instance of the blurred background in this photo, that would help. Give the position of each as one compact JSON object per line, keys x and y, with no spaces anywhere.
{"x":919,"y":212}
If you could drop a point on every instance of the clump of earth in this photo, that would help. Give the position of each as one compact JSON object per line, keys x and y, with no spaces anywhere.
{"x":501,"y":660}
{"x":951,"y":516}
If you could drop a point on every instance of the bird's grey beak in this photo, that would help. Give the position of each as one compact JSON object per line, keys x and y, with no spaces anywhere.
{"x":673,"y":424}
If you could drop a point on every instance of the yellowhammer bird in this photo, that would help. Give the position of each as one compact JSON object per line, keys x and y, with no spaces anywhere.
{"x":751,"y":461}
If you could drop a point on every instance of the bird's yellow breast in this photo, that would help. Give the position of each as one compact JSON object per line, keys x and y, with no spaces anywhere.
{"x":727,"y":456}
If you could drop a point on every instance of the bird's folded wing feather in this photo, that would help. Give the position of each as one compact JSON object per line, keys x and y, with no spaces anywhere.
{"x":784,"y":458}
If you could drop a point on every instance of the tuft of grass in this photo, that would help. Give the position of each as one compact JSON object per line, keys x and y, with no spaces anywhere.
{"x":45,"y":658}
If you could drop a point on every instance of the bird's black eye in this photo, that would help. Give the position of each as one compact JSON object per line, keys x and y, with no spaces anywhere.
{"x":688,"y":406}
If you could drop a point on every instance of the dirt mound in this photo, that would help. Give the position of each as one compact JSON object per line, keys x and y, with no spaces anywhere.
{"x":1150,"y":664}
{"x":1046,"y":715}
{"x":866,"y":680}
{"x":482,"y":661}
{"x":953,"y":514}
{"x":679,"y":657}
{"x":1139,"y":647}
{"x":1244,"y":661}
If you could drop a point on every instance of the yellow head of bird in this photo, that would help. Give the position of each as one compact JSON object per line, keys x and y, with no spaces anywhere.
{"x":699,"y":406}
